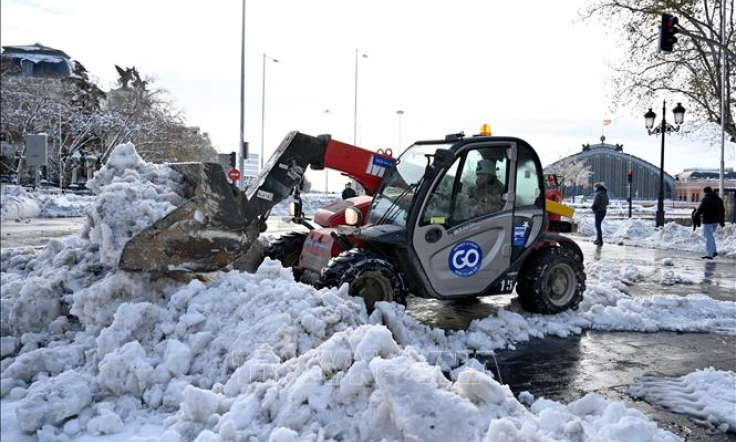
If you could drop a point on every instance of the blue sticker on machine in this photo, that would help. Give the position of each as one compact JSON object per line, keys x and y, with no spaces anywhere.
{"x":379,"y":165}
{"x":519,"y":236}
{"x":465,"y":259}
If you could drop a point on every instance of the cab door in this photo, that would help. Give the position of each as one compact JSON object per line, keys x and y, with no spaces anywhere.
{"x":463,"y":242}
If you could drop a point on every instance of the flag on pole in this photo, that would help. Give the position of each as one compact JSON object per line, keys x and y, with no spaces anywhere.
{"x":606,"y":122}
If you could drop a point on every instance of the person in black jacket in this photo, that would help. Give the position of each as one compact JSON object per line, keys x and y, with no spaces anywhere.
{"x":600,"y":204}
{"x":713,"y":213}
{"x":348,"y":192}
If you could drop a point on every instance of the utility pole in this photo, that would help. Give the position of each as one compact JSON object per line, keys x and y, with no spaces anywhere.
{"x":721,"y":184}
{"x":242,"y":90}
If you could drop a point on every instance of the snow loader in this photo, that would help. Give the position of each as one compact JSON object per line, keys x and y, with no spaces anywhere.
{"x":416,"y":230}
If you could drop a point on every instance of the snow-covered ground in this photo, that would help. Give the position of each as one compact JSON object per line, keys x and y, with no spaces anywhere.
{"x":707,"y":395}
{"x":88,"y":350}
{"x":642,"y":232}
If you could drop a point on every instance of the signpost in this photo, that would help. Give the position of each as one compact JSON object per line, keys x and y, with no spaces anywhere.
{"x":234,"y":175}
{"x":36,"y":146}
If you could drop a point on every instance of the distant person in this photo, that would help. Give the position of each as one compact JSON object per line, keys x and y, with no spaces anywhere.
{"x":713,"y":213}
{"x":600,"y":204}
{"x":348,"y":192}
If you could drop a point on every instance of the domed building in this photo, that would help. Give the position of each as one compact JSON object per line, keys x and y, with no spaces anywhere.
{"x":609,"y":164}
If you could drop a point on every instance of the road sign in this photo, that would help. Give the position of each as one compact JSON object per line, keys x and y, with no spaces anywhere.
{"x":234,"y":174}
{"x":36,"y":149}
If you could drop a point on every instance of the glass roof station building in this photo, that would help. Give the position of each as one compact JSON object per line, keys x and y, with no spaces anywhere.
{"x":611,"y":165}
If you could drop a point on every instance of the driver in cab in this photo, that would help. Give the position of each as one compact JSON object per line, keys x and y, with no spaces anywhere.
{"x":486,"y":196}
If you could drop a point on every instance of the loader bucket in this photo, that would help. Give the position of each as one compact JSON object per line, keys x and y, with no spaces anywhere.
{"x":214,"y":227}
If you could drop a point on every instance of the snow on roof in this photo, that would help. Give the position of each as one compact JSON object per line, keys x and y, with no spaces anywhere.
{"x":37,"y":48}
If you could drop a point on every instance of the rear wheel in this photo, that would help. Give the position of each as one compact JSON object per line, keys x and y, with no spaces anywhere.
{"x":370,"y":276}
{"x":551,"y":281}
{"x":288,"y":250}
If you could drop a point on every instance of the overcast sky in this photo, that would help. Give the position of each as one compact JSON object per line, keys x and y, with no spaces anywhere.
{"x":531,"y":69}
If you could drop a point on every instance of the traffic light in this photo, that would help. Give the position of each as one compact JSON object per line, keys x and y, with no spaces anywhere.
{"x":667,"y":33}
{"x":630,"y":175}
{"x":232,"y":159}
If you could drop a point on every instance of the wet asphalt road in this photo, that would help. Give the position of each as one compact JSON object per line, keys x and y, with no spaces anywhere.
{"x":562,"y":369}
{"x":606,"y":363}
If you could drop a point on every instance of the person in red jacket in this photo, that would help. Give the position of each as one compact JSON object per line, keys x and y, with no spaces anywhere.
{"x":713,"y":213}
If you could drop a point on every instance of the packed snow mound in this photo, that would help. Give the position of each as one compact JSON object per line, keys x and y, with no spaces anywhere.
{"x":15,"y":202}
{"x":641,"y":232}
{"x":18,"y":202}
{"x":361,"y":385}
{"x":707,"y":395}
{"x":311,"y":201}
{"x":131,"y":195}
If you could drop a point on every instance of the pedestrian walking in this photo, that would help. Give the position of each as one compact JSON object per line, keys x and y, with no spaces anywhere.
{"x":600,"y":204}
{"x":713,"y":213}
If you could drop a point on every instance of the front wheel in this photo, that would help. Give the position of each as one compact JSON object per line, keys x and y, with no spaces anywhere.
{"x":370,"y":276}
{"x":551,"y":281}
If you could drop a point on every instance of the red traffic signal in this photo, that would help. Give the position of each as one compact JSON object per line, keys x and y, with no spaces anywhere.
{"x":667,"y":33}
{"x":630,"y":174}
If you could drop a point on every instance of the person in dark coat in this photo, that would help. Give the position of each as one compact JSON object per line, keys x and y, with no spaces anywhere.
{"x":348,"y":192}
{"x":600,"y":204}
{"x":713,"y":213}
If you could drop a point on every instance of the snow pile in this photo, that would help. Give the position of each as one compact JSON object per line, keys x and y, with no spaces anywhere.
{"x":15,"y":202}
{"x":311,"y":201}
{"x":361,"y":385}
{"x":640,"y":232}
{"x":136,"y":194}
{"x":63,"y":206}
{"x":87,"y":349}
{"x":707,"y":395}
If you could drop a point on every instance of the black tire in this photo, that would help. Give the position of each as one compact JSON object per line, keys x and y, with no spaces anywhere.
{"x":551,"y":280}
{"x":369,"y":275}
{"x":288,"y":249}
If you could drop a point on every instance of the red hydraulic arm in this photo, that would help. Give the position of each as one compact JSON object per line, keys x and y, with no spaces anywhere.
{"x":362,"y":165}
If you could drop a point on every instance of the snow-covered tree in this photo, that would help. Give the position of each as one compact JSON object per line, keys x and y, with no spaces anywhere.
{"x":575,"y":173}
{"x":80,"y":119}
{"x":692,"y":71}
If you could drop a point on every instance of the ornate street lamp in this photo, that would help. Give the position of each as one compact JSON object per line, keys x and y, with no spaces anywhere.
{"x":664,"y":128}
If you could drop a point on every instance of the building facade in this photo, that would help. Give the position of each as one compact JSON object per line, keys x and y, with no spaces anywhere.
{"x":610,"y":165}
{"x":690,"y":183}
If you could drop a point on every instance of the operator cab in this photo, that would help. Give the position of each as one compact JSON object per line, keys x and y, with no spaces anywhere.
{"x":464,"y":210}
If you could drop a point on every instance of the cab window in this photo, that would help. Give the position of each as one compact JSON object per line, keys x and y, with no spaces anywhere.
{"x":438,"y":206}
{"x":478,"y":191}
{"x":528,"y":179}
{"x":482,"y":184}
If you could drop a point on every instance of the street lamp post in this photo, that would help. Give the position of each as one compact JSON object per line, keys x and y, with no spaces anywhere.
{"x":663,"y":129}
{"x":242,"y":94}
{"x":263,"y":105}
{"x":355,"y":110}
{"x":400,"y":113}
{"x":327,"y":112}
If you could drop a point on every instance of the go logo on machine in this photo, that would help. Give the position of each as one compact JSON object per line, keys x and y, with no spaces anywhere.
{"x":465,"y":259}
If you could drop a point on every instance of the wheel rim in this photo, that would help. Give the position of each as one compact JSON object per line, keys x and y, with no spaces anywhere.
{"x":561,"y":283}
{"x":372,"y":287}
